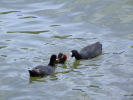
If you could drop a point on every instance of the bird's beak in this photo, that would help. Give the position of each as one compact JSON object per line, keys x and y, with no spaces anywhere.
{"x":70,"y":56}
{"x":57,"y":60}
{"x":62,"y":56}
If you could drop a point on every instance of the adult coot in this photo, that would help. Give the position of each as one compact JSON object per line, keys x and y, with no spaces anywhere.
{"x":89,"y":51}
{"x":61,"y":58}
{"x":42,"y":70}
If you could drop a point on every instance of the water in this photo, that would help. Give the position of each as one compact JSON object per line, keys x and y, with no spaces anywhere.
{"x":31,"y":31}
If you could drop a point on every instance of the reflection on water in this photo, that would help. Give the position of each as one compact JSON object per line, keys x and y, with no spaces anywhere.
{"x":9,"y":12}
{"x":79,"y":90}
{"x":2,"y":47}
{"x":30,"y":32}
{"x":39,"y":79}
{"x":62,"y":37}
{"x":76,"y":63}
{"x":51,"y":77}
{"x":43,"y":79}
{"x":3,"y":55}
{"x":54,"y":25}
{"x":39,"y":28}
{"x":93,"y":86}
{"x":27,"y":17}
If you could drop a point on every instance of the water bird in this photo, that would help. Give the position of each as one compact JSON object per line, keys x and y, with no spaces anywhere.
{"x":42,"y":70}
{"x":87,"y":52}
{"x":61,"y":58}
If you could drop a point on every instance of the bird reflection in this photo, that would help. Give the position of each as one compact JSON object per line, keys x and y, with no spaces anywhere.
{"x":44,"y":78}
{"x":75,"y":64}
{"x":39,"y":79}
{"x":68,"y":66}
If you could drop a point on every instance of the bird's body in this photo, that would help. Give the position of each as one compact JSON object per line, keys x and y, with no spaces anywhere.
{"x":89,"y":51}
{"x":61,"y":58}
{"x":42,"y":70}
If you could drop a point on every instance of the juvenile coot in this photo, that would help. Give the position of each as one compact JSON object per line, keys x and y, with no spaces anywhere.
{"x":61,"y":58}
{"x":89,"y":51}
{"x":42,"y":70}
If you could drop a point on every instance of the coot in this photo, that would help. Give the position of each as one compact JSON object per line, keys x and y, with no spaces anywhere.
{"x":61,"y":58}
{"x":42,"y":70}
{"x":89,"y":51}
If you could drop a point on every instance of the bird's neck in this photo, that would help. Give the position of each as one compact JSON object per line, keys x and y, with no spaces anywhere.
{"x":78,"y":56}
{"x":51,"y":63}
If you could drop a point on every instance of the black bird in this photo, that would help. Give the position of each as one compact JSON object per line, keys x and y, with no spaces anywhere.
{"x":87,"y":52}
{"x":61,"y":58}
{"x":42,"y":70}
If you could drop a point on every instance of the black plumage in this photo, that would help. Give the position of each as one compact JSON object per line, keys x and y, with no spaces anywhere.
{"x":61,"y":58}
{"x":87,"y":52}
{"x":42,"y":70}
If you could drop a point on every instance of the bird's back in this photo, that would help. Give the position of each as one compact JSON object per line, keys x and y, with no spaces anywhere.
{"x":44,"y":70}
{"x":91,"y":51}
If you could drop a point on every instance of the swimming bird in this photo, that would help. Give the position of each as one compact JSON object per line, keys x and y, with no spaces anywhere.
{"x":87,"y":52}
{"x":42,"y":70}
{"x":61,"y":58}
